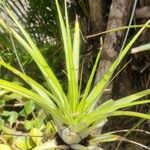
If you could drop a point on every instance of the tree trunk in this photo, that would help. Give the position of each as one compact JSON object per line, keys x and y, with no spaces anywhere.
{"x":119,"y":16}
{"x":135,"y":77}
{"x":96,"y":15}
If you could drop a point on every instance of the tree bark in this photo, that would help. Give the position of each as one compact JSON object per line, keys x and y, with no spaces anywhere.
{"x":96,"y":15}
{"x":119,"y":16}
{"x":143,"y":12}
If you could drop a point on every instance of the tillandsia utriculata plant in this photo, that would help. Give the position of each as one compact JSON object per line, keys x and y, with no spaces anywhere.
{"x":75,"y":114}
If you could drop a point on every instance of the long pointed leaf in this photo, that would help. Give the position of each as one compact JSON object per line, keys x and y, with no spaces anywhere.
{"x":121,"y":103}
{"x":99,"y":88}
{"x":32,"y":96}
{"x":36,"y":86}
{"x":110,"y":106}
{"x":141,"y":48}
{"x":36,"y":55}
{"x":106,"y":138}
{"x":112,"y":137}
{"x":76,"y":52}
{"x":71,"y":73}
{"x":76,"y":49}
{"x":126,"y":100}
{"x":130,"y":113}
{"x":135,"y":103}
{"x":89,"y":83}
{"x":49,"y":145}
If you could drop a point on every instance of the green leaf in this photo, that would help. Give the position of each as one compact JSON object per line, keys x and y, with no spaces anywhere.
{"x":141,"y":48}
{"x":3,"y":92}
{"x":9,"y":132}
{"x":33,"y":96}
{"x":49,"y":145}
{"x":71,"y":72}
{"x":12,"y":117}
{"x":78,"y":146}
{"x":38,"y":122}
{"x":24,"y":143}
{"x":76,"y":49}
{"x":63,"y":107}
{"x":22,"y":113}
{"x":99,"y":113}
{"x":76,"y":52}
{"x":4,"y":147}
{"x":105,"y":138}
{"x":2,"y":103}
{"x":89,"y":83}
{"x":31,"y":48}
{"x":130,"y":113}
{"x":103,"y":83}
{"x":1,"y":123}
{"x":118,"y":29}
{"x":123,"y":102}
{"x":12,"y":96}
{"x":28,"y":124}
{"x":35,"y":86}
{"x":6,"y":113}
{"x":49,"y":128}
{"x":136,"y":103}
{"x":109,"y":106}
{"x":132,"y":97}
{"x":29,"y":107}
{"x":36,"y":136}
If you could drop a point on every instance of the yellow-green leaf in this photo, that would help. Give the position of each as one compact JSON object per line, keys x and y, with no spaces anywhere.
{"x":24,"y":143}
{"x":36,"y":136}
{"x":4,"y":147}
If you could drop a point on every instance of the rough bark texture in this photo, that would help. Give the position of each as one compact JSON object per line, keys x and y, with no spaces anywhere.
{"x":143,"y":12}
{"x":136,"y":77}
{"x":96,"y":24}
{"x":119,"y":15}
{"x":96,"y":15}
